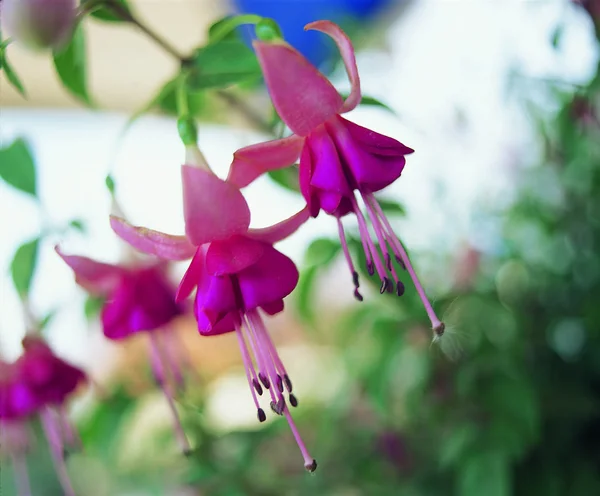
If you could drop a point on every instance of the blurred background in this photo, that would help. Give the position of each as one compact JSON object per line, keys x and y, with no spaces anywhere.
{"x":499,"y":208}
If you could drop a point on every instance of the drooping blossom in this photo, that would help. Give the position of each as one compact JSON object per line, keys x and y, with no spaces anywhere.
{"x":39,"y":24}
{"x":236,"y":272}
{"x":138,"y":298}
{"x":337,"y":157}
{"x":38,"y":383}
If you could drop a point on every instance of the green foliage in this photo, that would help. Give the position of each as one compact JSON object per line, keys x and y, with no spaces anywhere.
{"x":286,"y":178}
{"x":92,"y":306}
{"x":71,"y":66}
{"x":17,"y":167}
{"x":22,"y":266}
{"x":9,"y":72}
{"x":221,"y":64}
{"x":109,"y":10}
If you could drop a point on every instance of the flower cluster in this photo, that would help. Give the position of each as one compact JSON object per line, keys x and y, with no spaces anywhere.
{"x":38,"y":383}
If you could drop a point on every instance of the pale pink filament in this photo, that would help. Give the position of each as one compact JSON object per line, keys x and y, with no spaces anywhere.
{"x":55,"y":442}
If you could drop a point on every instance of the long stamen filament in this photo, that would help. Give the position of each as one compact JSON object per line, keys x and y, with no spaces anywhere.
{"x":248,"y":367}
{"x":364,"y":233}
{"x":346,"y":251}
{"x":56,"y":450}
{"x":401,"y":252}
{"x":21,"y":475}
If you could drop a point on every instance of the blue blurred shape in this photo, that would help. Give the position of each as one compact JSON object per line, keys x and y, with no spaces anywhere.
{"x":293,"y":15}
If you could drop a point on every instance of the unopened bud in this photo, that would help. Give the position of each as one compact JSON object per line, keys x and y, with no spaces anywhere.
{"x":268,"y":30}
{"x":39,"y":24}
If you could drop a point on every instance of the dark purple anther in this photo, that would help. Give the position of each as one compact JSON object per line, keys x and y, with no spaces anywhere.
{"x":257,"y":386}
{"x":293,"y":400}
{"x":439,"y":330}
{"x":390,"y":287}
{"x":384,"y":285}
{"x":279,"y":383}
{"x":287,"y":382}
{"x":399,"y":260}
{"x":399,"y":288}
{"x":355,"y":279}
{"x":370,"y":268}
{"x":357,"y":295}
{"x":264,"y":380}
{"x":262,"y":416}
{"x":311,"y":467}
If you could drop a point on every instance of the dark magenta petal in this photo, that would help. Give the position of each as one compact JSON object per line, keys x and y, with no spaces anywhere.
{"x":210,"y":326}
{"x":192,"y":276}
{"x":304,"y":175}
{"x":375,"y":143}
{"x":215,"y":297}
{"x":327,"y":172}
{"x":232,"y":255}
{"x":372,"y":160}
{"x":273,"y":308}
{"x":270,"y":279}
{"x":144,"y":301}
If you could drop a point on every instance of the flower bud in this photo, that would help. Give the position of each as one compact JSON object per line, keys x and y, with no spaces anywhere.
{"x":39,"y":24}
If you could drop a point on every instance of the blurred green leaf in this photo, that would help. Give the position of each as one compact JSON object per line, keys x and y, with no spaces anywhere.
{"x":71,"y":66}
{"x":371,"y":102}
{"x":226,"y":28}
{"x":22,"y":266}
{"x":460,"y":441}
{"x":108,"y":14}
{"x":78,"y":225}
{"x":222,"y":64}
{"x":286,"y":177}
{"x":486,"y":474}
{"x":391,"y":207}
{"x":10,"y":73}
{"x":47,"y":319}
{"x":304,"y":293}
{"x":17,"y":167}
{"x":92,"y":306}
{"x":321,"y":252}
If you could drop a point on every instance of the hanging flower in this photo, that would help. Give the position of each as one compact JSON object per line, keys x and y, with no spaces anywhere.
{"x":235,"y":271}
{"x":38,"y":383}
{"x":337,"y":157}
{"x":138,"y":298}
{"x":39,"y":24}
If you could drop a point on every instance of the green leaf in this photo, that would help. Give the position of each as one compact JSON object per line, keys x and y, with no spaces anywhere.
{"x":391,"y":207}
{"x":485,"y":474}
{"x":10,"y":73}
{"x":71,"y":66}
{"x":287,"y":178}
{"x":225,"y":28}
{"x":321,"y":252}
{"x":92,"y":306}
{"x":78,"y":225}
{"x":371,"y":102}
{"x":453,"y":448}
{"x":104,"y":13}
{"x":304,"y":293}
{"x":17,"y":167}
{"x":222,"y":64}
{"x":23,"y":266}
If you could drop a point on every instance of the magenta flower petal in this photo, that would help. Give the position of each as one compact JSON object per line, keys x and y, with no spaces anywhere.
{"x":215,"y":297}
{"x":95,"y":277}
{"x":273,"y":308}
{"x":232,"y":255}
{"x":370,"y":170}
{"x":270,"y":279}
{"x":347,"y":51}
{"x":143,"y":301}
{"x":191,"y":277}
{"x":303,"y":97}
{"x":373,"y":142}
{"x":305,"y":172}
{"x":152,"y":242}
{"x":213,"y":209}
{"x":281,"y":230}
{"x":252,"y":161}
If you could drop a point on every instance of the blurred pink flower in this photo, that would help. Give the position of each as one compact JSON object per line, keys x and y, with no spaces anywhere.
{"x":38,"y":383}
{"x":337,"y":157}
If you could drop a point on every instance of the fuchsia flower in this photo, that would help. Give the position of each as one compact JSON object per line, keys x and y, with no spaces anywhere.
{"x":38,"y":383}
{"x":337,"y":157}
{"x":235,"y":271}
{"x":139,"y":298}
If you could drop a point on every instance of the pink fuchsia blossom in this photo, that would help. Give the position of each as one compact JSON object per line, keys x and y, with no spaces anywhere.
{"x":337,"y":157}
{"x":236,"y":272}
{"x":38,"y":383}
{"x":139,"y":297}
{"x":39,"y":24}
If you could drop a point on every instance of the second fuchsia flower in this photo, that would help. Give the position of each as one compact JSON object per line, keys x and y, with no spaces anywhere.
{"x":38,"y":383}
{"x":236,"y":272}
{"x":139,"y":298}
{"x":337,"y":157}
